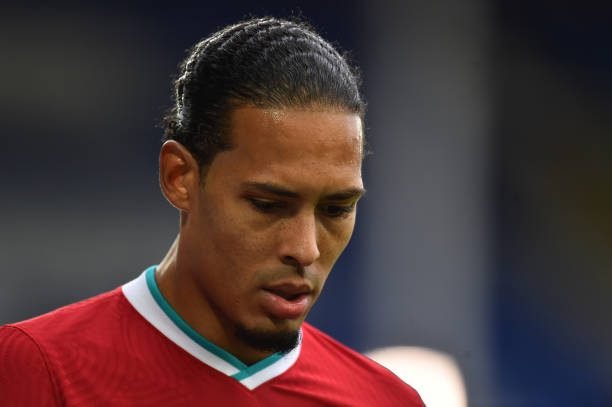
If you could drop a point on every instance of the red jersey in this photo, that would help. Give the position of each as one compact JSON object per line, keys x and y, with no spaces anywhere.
{"x":128,"y":347}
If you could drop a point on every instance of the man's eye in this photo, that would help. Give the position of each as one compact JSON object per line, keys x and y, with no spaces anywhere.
{"x":338,"y":211}
{"x":264,"y":205}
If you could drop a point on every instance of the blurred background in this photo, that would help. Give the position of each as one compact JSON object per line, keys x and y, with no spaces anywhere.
{"x":487,"y":227}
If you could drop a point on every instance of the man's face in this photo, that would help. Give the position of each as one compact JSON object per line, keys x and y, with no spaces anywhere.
{"x":272,"y":216}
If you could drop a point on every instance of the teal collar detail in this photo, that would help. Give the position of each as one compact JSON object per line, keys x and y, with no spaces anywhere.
{"x":245,"y":371}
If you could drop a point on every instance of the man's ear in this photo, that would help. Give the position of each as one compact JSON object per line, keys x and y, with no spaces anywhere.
{"x":179,"y":175}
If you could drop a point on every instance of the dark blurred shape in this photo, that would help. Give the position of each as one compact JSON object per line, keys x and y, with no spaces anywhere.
{"x":554,"y":110}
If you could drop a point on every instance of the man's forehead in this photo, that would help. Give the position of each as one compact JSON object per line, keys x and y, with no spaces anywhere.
{"x":291,"y":153}
{"x":319,"y":126}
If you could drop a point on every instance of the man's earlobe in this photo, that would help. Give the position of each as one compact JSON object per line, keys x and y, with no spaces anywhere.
{"x":178,"y":175}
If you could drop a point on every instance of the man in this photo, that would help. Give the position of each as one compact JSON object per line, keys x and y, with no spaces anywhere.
{"x":262,"y":158}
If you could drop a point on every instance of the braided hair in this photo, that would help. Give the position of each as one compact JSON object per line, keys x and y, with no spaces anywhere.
{"x":265,"y":63}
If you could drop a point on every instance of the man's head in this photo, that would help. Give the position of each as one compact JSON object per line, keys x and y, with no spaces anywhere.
{"x":264,"y":63}
{"x":273,"y":115}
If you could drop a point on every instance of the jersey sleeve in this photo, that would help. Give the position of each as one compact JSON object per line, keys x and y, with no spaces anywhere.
{"x":25,"y":378}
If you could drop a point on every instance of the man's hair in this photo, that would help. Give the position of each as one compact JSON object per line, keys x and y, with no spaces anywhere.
{"x":265,"y":63}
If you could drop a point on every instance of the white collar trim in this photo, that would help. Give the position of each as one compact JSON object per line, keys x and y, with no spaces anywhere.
{"x":139,"y":295}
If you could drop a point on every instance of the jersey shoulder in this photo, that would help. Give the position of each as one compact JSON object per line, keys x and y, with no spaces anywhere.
{"x":79,"y":317}
{"x":29,"y":349}
{"x":366,"y":379}
{"x":24,"y":367}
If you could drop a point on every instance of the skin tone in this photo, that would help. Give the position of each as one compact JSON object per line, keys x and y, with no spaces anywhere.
{"x":262,"y":227}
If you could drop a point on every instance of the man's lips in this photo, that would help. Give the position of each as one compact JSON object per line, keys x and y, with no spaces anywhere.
{"x":286,"y":300}
{"x":288,"y":291}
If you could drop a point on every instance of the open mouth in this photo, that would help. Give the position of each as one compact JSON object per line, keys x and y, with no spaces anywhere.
{"x":289,"y":295}
{"x":289,"y":292}
{"x":286,"y":301}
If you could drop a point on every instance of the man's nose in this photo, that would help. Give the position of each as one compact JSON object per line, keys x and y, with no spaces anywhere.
{"x":299,"y":241}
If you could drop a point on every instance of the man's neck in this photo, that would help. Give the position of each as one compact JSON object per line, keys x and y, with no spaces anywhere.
{"x":185,"y":302}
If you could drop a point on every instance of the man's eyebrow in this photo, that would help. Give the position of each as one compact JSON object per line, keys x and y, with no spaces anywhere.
{"x":343,"y":195}
{"x":346,"y":194}
{"x":271,"y":188}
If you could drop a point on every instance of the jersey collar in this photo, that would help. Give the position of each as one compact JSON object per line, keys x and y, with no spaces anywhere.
{"x":145,"y":296}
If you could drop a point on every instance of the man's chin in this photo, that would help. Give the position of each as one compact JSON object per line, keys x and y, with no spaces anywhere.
{"x":269,"y":341}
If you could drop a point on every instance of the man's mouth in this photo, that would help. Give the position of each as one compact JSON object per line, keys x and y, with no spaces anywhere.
{"x":286,"y":300}
{"x":289,"y":291}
